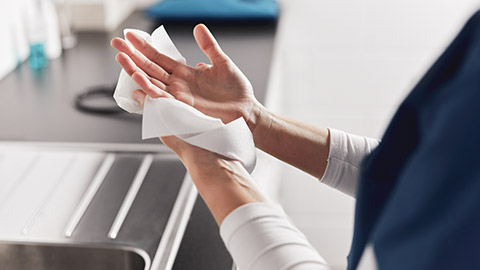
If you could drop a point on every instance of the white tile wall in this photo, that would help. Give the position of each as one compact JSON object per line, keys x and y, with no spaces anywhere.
{"x":347,"y":64}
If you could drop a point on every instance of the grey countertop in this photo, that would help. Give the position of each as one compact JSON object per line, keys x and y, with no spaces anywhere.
{"x":39,"y":107}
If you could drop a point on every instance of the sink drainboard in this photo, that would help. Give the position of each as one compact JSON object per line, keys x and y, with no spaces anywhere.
{"x":91,"y":206}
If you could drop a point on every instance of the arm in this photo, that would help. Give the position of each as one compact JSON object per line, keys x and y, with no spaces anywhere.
{"x":345,"y":157}
{"x":223,"y":184}
{"x":232,"y":196}
{"x":301,"y":145}
{"x":221,"y":90}
{"x":257,"y":233}
{"x":333,"y":156}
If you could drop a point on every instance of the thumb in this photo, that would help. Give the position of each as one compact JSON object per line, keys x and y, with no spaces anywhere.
{"x":208,"y":44}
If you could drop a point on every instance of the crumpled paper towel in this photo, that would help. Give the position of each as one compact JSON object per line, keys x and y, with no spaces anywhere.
{"x":168,"y":116}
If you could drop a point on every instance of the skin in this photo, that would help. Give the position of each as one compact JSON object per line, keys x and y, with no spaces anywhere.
{"x":221,"y":90}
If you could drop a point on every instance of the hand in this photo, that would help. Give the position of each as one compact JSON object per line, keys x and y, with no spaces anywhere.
{"x":196,"y":160}
{"x":219,"y":90}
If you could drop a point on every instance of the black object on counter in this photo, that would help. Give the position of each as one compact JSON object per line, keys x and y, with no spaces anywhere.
{"x":98,"y":100}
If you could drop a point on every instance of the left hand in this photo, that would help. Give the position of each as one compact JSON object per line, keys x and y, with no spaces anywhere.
{"x":219,"y":90}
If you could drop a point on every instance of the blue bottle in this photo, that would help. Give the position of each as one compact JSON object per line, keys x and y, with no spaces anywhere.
{"x":37,"y":58}
{"x":37,"y":36}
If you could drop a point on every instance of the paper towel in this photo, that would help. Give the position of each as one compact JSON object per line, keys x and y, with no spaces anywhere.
{"x":168,"y":116}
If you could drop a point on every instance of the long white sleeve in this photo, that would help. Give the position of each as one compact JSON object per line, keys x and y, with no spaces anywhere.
{"x":260,"y":236}
{"x":344,"y":159}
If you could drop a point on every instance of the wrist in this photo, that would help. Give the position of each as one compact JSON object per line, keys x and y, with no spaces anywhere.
{"x":224,"y":186}
{"x":204,"y":166}
{"x":257,"y":117}
{"x":260,"y":123}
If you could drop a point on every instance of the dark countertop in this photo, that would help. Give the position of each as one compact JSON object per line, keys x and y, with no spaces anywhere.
{"x":39,"y":107}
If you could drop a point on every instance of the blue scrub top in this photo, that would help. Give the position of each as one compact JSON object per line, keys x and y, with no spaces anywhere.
{"x":418,"y":200}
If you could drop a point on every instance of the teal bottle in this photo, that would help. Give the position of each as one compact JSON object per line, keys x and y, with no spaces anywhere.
{"x":37,"y":58}
{"x":37,"y":34}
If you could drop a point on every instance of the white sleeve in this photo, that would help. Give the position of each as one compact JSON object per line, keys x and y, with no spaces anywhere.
{"x":260,"y":236}
{"x":344,"y":159}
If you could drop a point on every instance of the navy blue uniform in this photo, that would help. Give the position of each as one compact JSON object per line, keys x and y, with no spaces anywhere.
{"x":418,"y":199}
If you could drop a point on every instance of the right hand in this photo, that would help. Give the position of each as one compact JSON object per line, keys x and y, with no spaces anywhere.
{"x":220,"y":90}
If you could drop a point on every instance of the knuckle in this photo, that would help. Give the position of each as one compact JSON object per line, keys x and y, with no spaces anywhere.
{"x":136,"y":70}
{"x":209,"y":47}
{"x":147,"y":64}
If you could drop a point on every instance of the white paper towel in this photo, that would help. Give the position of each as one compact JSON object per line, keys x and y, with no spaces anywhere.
{"x":168,"y":116}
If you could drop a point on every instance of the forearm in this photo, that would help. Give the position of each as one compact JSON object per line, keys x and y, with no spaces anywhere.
{"x":223,"y":184}
{"x":257,"y":233}
{"x":260,"y":236}
{"x":301,"y":145}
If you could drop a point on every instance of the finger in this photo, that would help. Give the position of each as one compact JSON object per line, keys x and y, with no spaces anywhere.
{"x":130,"y":67}
{"x":148,"y":87}
{"x":149,"y":67}
{"x":139,"y":96}
{"x":127,"y":64}
{"x":151,"y":53}
{"x":117,"y":43}
{"x":209,"y":45}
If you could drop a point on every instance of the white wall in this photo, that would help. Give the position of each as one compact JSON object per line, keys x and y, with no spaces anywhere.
{"x":347,"y":64}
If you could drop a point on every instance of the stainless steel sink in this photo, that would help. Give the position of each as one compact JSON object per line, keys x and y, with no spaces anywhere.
{"x":91,"y":206}
{"x":62,"y":257}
